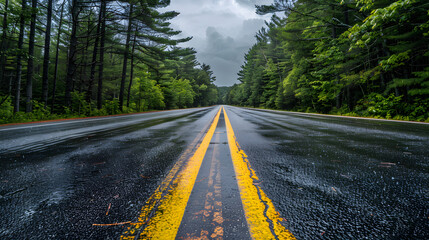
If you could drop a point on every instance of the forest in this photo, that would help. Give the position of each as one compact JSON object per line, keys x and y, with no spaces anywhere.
{"x":346,"y":57}
{"x":78,"y":58}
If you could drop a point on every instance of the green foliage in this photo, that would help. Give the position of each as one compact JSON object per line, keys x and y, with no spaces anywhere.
{"x":6,"y":108}
{"x":39,"y":113}
{"x":111,"y":106}
{"x":142,"y":63}
{"x":80,"y":106}
{"x":392,"y":107}
{"x":377,"y":105}
{"x":146,"y":95}
{"x":416,"y":86}
{"x":222,"y":94}
{"x":183,"y":94}
{"x":363,"y":57}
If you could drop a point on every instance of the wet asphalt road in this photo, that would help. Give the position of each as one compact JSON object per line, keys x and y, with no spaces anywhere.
{"x":329,"y":177}
{"x":340,"y":178}
{"x":57,"y":179}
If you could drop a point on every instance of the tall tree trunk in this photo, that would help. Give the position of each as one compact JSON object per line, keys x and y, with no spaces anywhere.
{"x":46,"y":54}
{"x":3,"y":48}
{"x":132,"y":69}
{"x":124,"y":66}
{"x":30,"y":63}
{"x":9,"y":90}
{"x":100,"y":69}
{"x":334,"y":36}
{"x":19,"y":57}
{"x":386,"y":53}
{"x":346,"y":14}
{"x":94,"y":58}
{"x":71,"y":69}
{"x":54,"y":85}
{"x":348,"y":95}
{"x":84,"y":63}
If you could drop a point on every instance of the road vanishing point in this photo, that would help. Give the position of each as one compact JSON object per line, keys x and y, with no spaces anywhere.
{"x":219,"y":172}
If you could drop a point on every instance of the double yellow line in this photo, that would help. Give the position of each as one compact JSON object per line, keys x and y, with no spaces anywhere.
{"x":262,"y":218}
{"x":162,"y":214}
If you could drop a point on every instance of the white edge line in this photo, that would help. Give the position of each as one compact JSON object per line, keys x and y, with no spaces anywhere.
{"x":336,"y":116}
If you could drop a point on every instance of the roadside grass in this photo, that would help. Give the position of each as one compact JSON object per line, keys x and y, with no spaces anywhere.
{"x":42,"y":114}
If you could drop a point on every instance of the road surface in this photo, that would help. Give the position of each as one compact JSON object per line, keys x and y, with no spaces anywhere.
{"x":215,"y":173}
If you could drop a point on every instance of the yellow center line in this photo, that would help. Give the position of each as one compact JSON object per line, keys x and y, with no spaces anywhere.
{"x":171,"y":197}
{"x":262,"y":218}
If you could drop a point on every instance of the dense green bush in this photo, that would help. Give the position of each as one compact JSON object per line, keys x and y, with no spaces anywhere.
{"x":393,"y":107}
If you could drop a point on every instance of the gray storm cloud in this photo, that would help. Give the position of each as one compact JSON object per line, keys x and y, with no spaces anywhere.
{"x":222,"y":30}
{"x":252,"y":3}
{"x":219,"y":45}
{"x":225,"y":54}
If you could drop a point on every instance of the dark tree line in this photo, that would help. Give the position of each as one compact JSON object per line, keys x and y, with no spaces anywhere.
{"x":81,"y":58}
{"x":355,"y":57}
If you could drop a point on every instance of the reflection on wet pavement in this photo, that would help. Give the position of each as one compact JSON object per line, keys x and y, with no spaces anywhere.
{"x":328,"y":177}
{"x":59,"y":190}
{"x":340,"y":178}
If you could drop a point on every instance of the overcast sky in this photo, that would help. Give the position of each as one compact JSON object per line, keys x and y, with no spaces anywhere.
{"x":222,"y":31}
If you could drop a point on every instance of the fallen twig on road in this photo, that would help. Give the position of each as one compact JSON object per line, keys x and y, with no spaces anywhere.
{"x":201,"y":179}
{"x":108,"y":208}
{"x":98,"y":163}
{"x":111,"y":224}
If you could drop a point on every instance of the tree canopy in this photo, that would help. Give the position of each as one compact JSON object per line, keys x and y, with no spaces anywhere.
{"x":354,"y":57}
{"x":84,"y":58}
